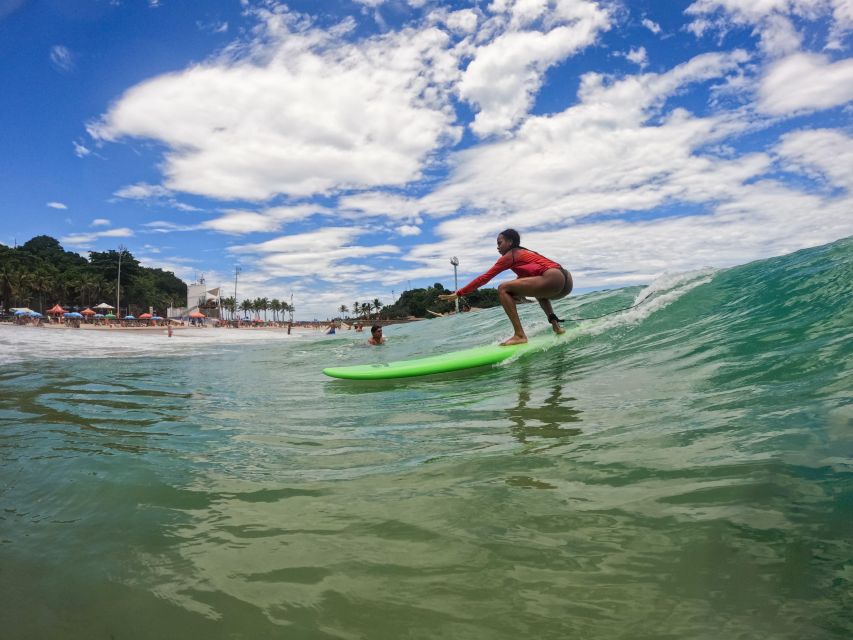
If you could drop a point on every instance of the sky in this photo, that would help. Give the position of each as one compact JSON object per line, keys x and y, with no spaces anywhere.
{"x":342,"y":151}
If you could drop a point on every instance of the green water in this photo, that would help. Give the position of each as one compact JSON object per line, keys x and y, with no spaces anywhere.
{"x":681,"y":470}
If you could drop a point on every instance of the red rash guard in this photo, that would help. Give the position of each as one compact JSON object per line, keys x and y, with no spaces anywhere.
{"x":524,"y":262}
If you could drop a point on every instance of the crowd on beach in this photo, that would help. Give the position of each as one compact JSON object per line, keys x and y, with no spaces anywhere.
{"x":58,"y":317}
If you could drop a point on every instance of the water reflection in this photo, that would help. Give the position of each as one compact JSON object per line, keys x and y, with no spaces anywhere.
{"x":548,"y":419}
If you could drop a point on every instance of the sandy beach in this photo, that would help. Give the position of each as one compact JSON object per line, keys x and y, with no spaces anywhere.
{"x":32,"y":343}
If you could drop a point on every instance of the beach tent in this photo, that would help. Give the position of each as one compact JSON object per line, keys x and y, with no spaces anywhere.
{"x":56,"y":310}
{"x":21,"y":309}
{"x":87,"y":312}
{"x":197,"y":314}
{"x":104,"y":305}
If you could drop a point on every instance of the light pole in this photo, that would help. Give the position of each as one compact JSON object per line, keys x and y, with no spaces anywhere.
{"x":121,"y":250}
{"x":455,"y":262}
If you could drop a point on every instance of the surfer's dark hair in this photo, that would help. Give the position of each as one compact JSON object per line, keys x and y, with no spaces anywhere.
{"x":375,"y":327}
{"x":513,"y":236}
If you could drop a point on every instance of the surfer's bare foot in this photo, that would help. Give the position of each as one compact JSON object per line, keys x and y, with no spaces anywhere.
{"x":514,"y":340}
{"x":557,"y":328}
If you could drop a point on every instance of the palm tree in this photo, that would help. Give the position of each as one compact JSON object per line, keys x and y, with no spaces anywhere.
{"x":17,"y":282}
{"x":246,"y":306}
{"x":275,"y":306}
{"x":355,"y":308}
{"x":6,"y":277}
{"x":365,"y":309}
{"x":377,"y":306}
{"x":229,"y":304}
{"x":264,"y":306}
{"x":343,"y":309}
{"x":42,"y":283}
{"x":88,"y":284}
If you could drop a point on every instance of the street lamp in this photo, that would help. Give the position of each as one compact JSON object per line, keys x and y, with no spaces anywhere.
{"x":455,"y":262}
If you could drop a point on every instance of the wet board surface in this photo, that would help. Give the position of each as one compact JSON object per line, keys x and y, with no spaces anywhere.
{"x":455,"y":361}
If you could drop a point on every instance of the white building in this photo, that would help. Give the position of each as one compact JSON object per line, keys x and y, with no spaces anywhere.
{"x":199,"y":298}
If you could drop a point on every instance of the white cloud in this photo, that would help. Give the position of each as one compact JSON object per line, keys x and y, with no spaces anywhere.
{"x":638,"y":56}
{"x":56,"y":205}
{"x":296,"y":111}
{"x":779,"y":36}
{"x":408,"y":230}
{"x":771,"y":19}
{"x":142,"y":191}
{"x":213,"y":27}
{"x":823,"y":153}
{"x":164,"y":226}
{"x":462,"y":21}
{"x":100,"y":222}
{"x":62,"y":58}
{"x":505,"y":73}
{"x":651,"y":25}
{"x":602,"y":154}
{"x":80,"y":150}
{"x":86,"y":239}
{"x":805,"y":82}
{"x":326,"y":253}
{"x":382,"y":204}
{"x":236,"y":222}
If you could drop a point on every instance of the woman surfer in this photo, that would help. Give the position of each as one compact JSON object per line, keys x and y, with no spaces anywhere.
{"x":538,"y":276}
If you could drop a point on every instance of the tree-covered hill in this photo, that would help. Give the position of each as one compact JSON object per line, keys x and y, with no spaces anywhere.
{"x":40,"y":273}
{"x":419,"y":302}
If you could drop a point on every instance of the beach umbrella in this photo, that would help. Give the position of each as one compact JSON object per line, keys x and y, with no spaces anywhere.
{"x":56,"y":310}
{"x":145,"y":316}
{"x":99,"y":315}
{"x":104,"y":305}
{"x":197,"y":314}
{"x":130,"y":318}
{"x":87,"y":312}
{"x":156,"y":318}
{"x":21,"y":312}
{"x":72,"y":314}
{"x":111,"y":316}
{"x":34,"y":314}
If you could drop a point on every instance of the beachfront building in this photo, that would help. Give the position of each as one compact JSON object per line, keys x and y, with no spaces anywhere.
{"x":200,"y":297}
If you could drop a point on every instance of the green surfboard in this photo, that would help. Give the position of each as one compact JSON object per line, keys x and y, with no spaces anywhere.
{"x":456,"y":361}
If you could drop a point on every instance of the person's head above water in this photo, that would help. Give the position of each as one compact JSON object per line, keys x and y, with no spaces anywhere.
{"x":508,"y":239}
{"x":376,"y":335}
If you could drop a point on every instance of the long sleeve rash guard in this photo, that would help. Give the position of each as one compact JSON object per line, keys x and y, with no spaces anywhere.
{"x":524,"y":262}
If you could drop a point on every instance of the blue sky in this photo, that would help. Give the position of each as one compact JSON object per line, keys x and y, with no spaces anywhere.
{"x":343,"y":151}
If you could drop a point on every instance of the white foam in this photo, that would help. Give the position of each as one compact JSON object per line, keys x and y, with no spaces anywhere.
{"x":24,"y":343}
{"x":658,"y":295}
